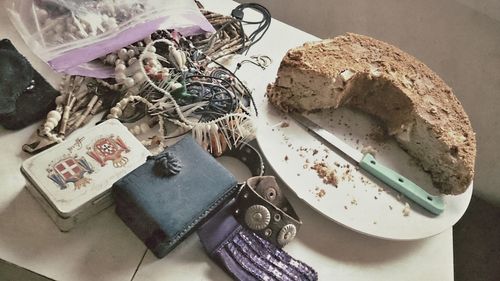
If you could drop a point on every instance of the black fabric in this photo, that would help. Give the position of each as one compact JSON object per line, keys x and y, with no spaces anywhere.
{"x":25,"y":96}
{"x":163,"y":210}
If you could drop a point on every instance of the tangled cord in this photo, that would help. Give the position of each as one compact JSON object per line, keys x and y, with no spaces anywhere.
{"x":263,"y":24}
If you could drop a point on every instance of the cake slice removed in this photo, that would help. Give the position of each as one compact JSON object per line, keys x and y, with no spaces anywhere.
{"x":414,"y":103}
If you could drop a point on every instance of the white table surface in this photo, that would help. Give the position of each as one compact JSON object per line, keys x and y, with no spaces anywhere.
{"x":103,"y":248}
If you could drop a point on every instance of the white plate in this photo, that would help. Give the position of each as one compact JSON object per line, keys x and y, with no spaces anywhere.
{"x":360,"y":202}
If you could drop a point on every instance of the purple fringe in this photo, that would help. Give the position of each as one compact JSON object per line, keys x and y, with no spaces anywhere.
{"x":262,"y":260}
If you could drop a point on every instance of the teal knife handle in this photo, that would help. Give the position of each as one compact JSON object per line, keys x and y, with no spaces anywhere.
{"x":433,"y":204}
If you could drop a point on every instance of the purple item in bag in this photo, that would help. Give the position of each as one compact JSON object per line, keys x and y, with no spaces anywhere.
{"x":69,"y":61}
{"x":69,"y":34}
{"x":246,"y":256}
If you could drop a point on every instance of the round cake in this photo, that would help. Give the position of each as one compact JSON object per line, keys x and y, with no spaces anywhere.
{"x":414,"y":103}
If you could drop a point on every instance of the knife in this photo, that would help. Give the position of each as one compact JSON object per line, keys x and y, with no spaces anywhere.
{"x":367,"y":162}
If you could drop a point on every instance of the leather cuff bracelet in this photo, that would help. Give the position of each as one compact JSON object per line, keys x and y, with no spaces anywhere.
{"x":245,"y":255}
{"x":249,"y":156}
{"x":262,"y":207}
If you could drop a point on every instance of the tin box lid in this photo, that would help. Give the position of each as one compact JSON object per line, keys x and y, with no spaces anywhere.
{"x":84,"y":166}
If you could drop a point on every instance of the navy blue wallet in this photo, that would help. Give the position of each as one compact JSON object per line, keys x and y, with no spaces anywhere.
{"x":169,"y":196}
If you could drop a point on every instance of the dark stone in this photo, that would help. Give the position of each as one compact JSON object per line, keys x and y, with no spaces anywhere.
{"x":25,"y":96}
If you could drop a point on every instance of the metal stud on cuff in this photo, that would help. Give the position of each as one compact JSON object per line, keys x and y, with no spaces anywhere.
{"x":270,"y":194}
{"x":286,"y":234}
{"x":261,"y":208}
{"x":257,"y":217}
{"x":277,"y":217}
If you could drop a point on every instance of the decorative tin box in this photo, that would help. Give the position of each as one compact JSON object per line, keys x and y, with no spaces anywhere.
{"x":73,"y":180}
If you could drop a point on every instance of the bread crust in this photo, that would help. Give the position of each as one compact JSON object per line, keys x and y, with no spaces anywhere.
{"x":418,"y":108}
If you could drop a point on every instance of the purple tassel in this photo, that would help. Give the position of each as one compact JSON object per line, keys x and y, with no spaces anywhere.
{"x":246,"y":256}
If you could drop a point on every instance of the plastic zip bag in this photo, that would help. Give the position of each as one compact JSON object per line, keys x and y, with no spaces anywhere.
{"x":67,"y":34}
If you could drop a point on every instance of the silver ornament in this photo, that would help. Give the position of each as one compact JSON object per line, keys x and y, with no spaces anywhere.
{"x":257,"y":217}
{"x":277,"y":217}
{"x":286,"y":234}
{"x":270,"y":194}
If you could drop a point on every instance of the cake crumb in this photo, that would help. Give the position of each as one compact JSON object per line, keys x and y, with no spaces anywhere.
{"x":369,"y":149}
{"x":286,"y":157}
{"x":315,"y":151}
{"x":354,"y":201}
{"x":406,"y":209}
{"x":321,"y":193}
{"x":284,"y":124}
{"x":331,"y":178}
{"x":347,"y":174}
{"x":328,"y":175}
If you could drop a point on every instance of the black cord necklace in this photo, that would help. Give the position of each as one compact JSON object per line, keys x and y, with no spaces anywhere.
{"x":263,"y":24}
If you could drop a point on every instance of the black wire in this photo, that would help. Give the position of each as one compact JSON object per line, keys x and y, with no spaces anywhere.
{"x":179,"y":135}
{"x":221,"y":100}
{"x":242,"y":37}
{"x":220,"y":90}
{"x":241,"y":83}
{"x":240,"y":64}
{"x":263,"y":24}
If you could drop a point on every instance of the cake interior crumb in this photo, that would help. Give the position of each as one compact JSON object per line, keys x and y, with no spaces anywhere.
{"x":327,"y":174}
{"x":406,"y":209}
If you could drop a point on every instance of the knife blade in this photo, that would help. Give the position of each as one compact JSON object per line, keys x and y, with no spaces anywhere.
{"x":367,"y":162}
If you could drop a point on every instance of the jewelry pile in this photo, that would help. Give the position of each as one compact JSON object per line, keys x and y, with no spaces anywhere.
{"x":164,"y":86}
{"x":63,"y":22}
